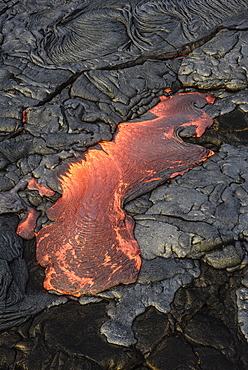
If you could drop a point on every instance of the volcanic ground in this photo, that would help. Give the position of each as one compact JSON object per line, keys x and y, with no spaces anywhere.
{"x":73,"y":76}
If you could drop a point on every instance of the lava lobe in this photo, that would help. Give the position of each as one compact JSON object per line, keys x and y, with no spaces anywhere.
{"x":90,"y":246}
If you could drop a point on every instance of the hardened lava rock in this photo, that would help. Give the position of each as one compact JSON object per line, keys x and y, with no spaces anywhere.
{"x":16,"y":306}
{"x":219,"y":63}
{"x":210,"y":212}
{"x":141,"y":30}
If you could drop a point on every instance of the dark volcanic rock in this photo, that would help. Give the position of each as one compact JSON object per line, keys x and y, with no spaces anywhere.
{"x":150,"y":328}
{"x":13,"y":269}
{"x":7,"y":357}
{"x":173,"y":353}
{"x":209,"y":331}
{"x":74,"y":331}
{"x":209,"y":358}
{"x":205,"y":313}
{"x":17,"y":303}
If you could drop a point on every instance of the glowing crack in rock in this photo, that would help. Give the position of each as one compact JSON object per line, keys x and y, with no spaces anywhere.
{"x":90,"y":246}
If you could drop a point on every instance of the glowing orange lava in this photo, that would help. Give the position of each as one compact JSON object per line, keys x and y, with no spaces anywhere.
{"x":43,"y":190}
{"x":26,"y":227}
{"x":90,"y":246}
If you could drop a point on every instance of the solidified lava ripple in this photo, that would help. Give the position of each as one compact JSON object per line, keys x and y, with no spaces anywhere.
{"x":90,"y":246}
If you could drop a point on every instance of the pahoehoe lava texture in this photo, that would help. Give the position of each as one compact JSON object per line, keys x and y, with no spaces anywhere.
{"x":148,"y":28}
{"x":90,"y":247}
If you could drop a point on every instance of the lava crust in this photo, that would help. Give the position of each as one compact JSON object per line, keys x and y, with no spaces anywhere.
{"x":90,"y":246}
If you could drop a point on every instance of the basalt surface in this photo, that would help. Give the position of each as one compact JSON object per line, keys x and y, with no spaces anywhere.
{"x":70,"y":73}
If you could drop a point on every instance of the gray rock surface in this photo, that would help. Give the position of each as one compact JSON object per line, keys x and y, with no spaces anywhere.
{"x":134,"y":299}
{"x":200,"y":212}
{"x":145,"y":28}
{"x":219,"y":63}
{"x":242,"y":303}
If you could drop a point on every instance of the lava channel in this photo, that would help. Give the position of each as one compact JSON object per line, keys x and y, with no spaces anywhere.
{"x":90,"y":246}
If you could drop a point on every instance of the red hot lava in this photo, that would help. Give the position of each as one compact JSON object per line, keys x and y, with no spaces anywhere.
{"x":26,"y":227}
{"x":43,"y":190}
{"x":90,"y":246}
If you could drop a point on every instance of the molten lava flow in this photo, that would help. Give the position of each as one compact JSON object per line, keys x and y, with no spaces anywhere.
{"x":26,"y":227}
{"x":43,"y":190}
{"x":90,"y":246}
